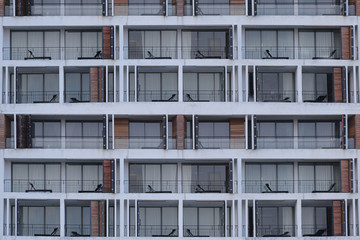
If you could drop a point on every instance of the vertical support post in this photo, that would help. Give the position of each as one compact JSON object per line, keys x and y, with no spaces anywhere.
{"x":226,"y":84}
{"x":136,"y":218}
{"x":247,"y":83}
{"x":180,"y":83}
{"x":299,"y":83}
{"x":180,"y":218}
{"x":254,"y":83}
{"x":298,"y":218}
{"x":246,"y":217}
{"x":254,"y":218}
{"x":61,"y":84}
{"x":7,"y":85}
{"x":346,"y":217}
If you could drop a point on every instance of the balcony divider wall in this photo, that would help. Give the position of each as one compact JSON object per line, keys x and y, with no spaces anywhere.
{"x":97,"y":84}
{"x":338,"y":215}
{"x":354,"y":131}
{"x":5,"y":130}
{"x":339,"y":84}
{"x":98,"y":218}
{"x":23,"y":135}
{"x":179,"y":131}
{"x":121,"y":133}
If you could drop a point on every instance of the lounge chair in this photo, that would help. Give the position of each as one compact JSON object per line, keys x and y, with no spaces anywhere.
{"x":190,"y":99}
{"x":151,"y":190}
{"x":52,"y":100}
{"x":53,"y":233}
{"x":285,"y":234}
{"x":171,"y":234}
{"x":75,"y":100}
{"x":96,"y":56}
{"x":286,"y":99}
{"x":151,"y":56}
{"x":199,"y":189}
{"x":189,"y":234}
{"x":318,"y":99}
{"x":33,"y":189}
{"x":325,"y":191}
{"x":269,"y":190}
{"x":318,"y":233}
{"x":270,"y":56}
{"x":32,"y":57}
{"x":171,"y":99}
{"x":76,"y":234}
{"x":199,"y":55}
{"x":331,"y":56}
{"x":98,"y":189}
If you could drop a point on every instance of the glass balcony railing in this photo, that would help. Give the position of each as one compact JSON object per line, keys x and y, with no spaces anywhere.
{"x":290,"y":142}
{"x":276,"y":96}
{"x":188,"y":143}
{"x":77,"y":230}
{"x":310,"y":229}
{"x":205,"y":186}
{"x":221,"y":142}
{"x":157,"y":96}
{"x":77,"y":96}
{"x":38,"y":230}
{"x":204,"y":96}
{"x":37,"y":96}
{"x":275,"y":230}
{"x":220,"y":9}
{"x":139,"y":9}
{"x":317,"y":96}
{"x":139,"y":142}
{"x":69,"y":142}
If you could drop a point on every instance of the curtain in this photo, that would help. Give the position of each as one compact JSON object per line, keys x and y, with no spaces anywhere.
{"x":186,"y":44}
{"x":168,"y":43}
{"x":52,"y":177}
{"x":72,"y":45}
{"x":152,"y":43}
{"x":153,"y":176}
{"x":285,"y":177}
{"x":19,"y":45}
{"x":306,"y":178}
{"x":286,"y":44}
{"x":20,"y":177}
{"x":36,"y":175}
{"x":324,"y":44}
{"x":89,"y":45}
{"x":52,"y":44}
{"x":169,"y":218}
{"x":253,"y":44}
{"x":169,"y":177}
{"x":288,"y":86}
{"x":191,"y":220}
{"x":308,"y":220}
{"x":324,"y":178}
{"x":73,"y":177}
{"x":252,"y":177}
{"x":73,"y":220}
{"x":35,"y":43}
{"x":186,"y":176}
{"x":169,"y":85}
{"x":306,"y":44}
{"x":308,"y":85}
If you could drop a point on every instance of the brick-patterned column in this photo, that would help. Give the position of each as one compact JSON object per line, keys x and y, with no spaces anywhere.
{"x":357,"y":7}
{"x":237,"y":133}
{"x":354,"y":130}
{"x":338,"y":218}
{"x":179,"y":8}
{"x":121,"y":7}
{"x":23,"y":134}
{"x":345,"y":43}
{"x":237,"y":7}
{"x":179,"y":131}
{"x":108,"y":43}
{"x":338,"y":84}
{"x":108,"y":176}
{"x":121,"y":133}
{"x":98,"y":220}
{"x":345,"y":175}
{"x":2,"y":8}
{"x":97,"y":84}
{"x":4,"y":130}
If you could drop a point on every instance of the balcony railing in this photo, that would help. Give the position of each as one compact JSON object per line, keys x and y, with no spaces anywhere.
{"x":82,"y":229}
{"x":188,"y":143}
{"x":10,"y":142}
{"x":204,"y":96}
{"x":275,"y":230}
{"x":37,"y":96}
{"x":139,"y":142}
{"x":38,"y":229}
{"x":291,"y":52}
{"x":310,"y":9}
{"x":53,"y":53}
{"x":220,"y":9}
{"x":151,"y":52}
{"x":221,"y":142}
{"x":149,"y":186}
{"x":205,"y":186}
{"x":204,"y":231}
{"x":69,"y":142}
{"x":316,"y":96}
{"x":187,"y":9}
{"x":206,"y":52}
{"x":157,"y":96}
{"x":276,"y":96}
{"x":291,"y":186}
{"x":141,"y":9}
{"x":290,"y":142}
{"x":77,"y":96}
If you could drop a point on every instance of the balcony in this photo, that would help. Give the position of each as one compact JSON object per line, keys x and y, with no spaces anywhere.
{"x":221,"y":142}
{"x":37,"y":96}
{"x":203,"y":231}
{"x":151,"y":186}
{"x":303,"y":142}
{"x":188,"y":143}
{"x":205,"y":186}
{"x":276,"y":230}
{"x":139,"y":142}
{"x":204,"y":96}
{"x":217,"y":8}
{"x":158,"y":231}
{"x":132,"y":8}
{"x":50,"y":230}
{"x":276,"y":96}
{"x":32,"y":53}
{"x":78,"y":230}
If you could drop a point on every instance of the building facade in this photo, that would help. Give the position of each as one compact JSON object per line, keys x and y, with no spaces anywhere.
{"x":161,"y":119}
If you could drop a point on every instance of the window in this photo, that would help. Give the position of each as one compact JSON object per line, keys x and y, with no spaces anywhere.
{"x":83,"y":7}
{"x":41,"y":176}
{"x":84,"y":134}
{"x":275,"y":134}
{"x":275,"y":221}
{"x":152,"y":44}
{"x":160,"y":177}
{"x":319,"y":7}
{"x":275,"y":7}
{"x":77,"y":86}
{"x":319,"y":44}
{"x":83,"y":177}
{"x":33,"y":88}
{"x":316,"y":85}
{"x":279,"y":177}
{"x":280,"y":43}
{"x":40,"y":43}
{"x":78,"y":220}
{"x":276,"y":87}
{"x":45,"y":8}
{"x":214,"y":135}
{"x":84,"y":44}
{"x":213,"y":7}
{"x":145,"y":135}
{"x":46,"y":134}
{"x":319,"y":134}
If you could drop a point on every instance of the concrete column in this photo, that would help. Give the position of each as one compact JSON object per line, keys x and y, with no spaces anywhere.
{"x":233,"y":218}
{"x":226,"y":84}
{"x":62,"y":217}
{"x":296,"y":177}
{"x":246,"y":132}
{"x":15,"y":223}
{"x":128,"y":218}
{"x":355,"y":100}
{"x":107,"y":83}
{"x":346,"y":84}
{"x":61,"y":84}
{"x":239,"y":42}
{"x":239,"y":83}
{"x":246,"y":217}
{"x":15,"y":130}
{"x":113,"y":130}
{"x":254,"y":218}
{"x":254,"y":83}
{"x":8,"y":208}
{"x":180,"y":218}
{"x":353,"y":217}
{"x":1,"y":80}
{"x":120,"y":82}
{"x":298,"y":220}
{"x":136,"y":83}
{"x":252,"y":132}
{"x":121,"y":42}
{"x":63,"y":177}
{"x":15,"y":84}
{"x":295,"y":133}
{"x":107,"y":217}
{"x":239,"y":218}
{"x":346,"y":218}
{"x":63,"y":134}
{"x":239,"y":176}
{"x":180,"y":83}
{"x":299,"y":83}
{"x":136,"y":218}
{"x":7,"y":85}
{"x":226,"y":220}
{"x":121,"y":212}
{"x":122,"y":172}
{"x":246,"y":83}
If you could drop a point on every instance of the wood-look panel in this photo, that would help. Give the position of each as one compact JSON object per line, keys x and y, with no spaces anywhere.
{"x":107,"y":42}
{"x":354,"y":130}
{"x":4,"y":130}
{"x":179,"y":8}
{"x":180,"y":131}
{"x":237,"y":132}
{"x":23,"y":131}
{"x":338,"y":218}
{"x":338,"y":84}
{"x":237,"y":7}
{"x":345,"y":175}
{"x":121,"y":7}
{"x":97,"y":211}
{"x":108,"y":176}
{"x":97,"y":84}
{"x":121,"y":133}
{"x":2,"y":8}
{"x":357,"y":7}
{"x":345,"y":43}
